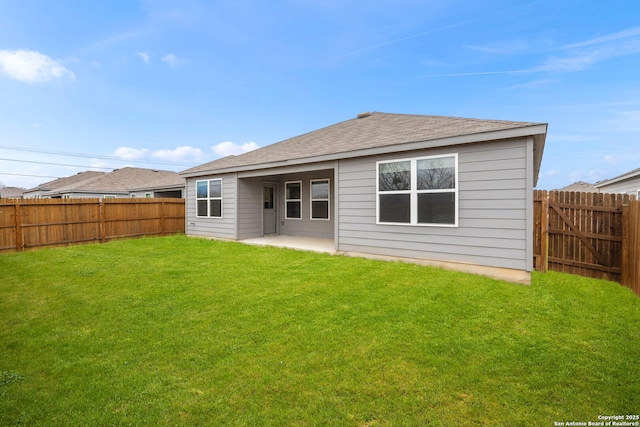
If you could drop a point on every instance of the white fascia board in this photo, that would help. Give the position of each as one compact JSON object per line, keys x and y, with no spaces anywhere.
{"x":273,"y":169}
{"x":624,"y":177}
{"x":160,"y":188}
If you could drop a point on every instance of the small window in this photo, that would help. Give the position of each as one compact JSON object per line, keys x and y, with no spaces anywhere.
{"x":147,"y":195}
{"x":293,"y":200}
{"x":320,"y":199}
{"x":108,"y":197}
{"x":420,"y":191}
{"x":268,"y":197}
{"x":209,"y":198}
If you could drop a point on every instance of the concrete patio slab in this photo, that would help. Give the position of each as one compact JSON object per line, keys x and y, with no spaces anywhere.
{"x":312,"y":244}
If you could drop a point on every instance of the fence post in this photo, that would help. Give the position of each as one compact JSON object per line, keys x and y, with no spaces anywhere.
{"x":162,"y":218}
{"x":103,"y":223}
{"x":631,"y":246}
{"x":625,"y":274}
{"x":18,"y":220}
{"x":544,"y":234}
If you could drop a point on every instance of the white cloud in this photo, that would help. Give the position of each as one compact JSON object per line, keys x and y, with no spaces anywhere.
{"x":229,"y":148}
{"x":145,"y":57}
{"x":170,"y":59}
{"x":180,"y":153}
{"x":589,"y":52}
{"x":629,"y":32}
{"x":129,"y":153}
{"x":568,"y":59}
{"x":99,"y":164}
{"x":31,"y":67}
{"x":510,"y":47}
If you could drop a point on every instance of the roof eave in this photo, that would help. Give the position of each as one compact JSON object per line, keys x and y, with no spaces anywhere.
{"x":158,"y":187}
{"x":75,"y":191}
{"x":624,"y":177}
{"x":538,"y":131}
{"x":538,"y":151}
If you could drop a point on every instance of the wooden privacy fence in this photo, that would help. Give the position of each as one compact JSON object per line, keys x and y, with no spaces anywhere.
{"x":33,"y":223}
{"x":589,"y":234}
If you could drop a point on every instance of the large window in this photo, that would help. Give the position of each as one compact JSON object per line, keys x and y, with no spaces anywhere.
{"x":209,"y":198}
{"x":419,"y":191}
{"x":320,"y":199}
{"x":293,"y":200}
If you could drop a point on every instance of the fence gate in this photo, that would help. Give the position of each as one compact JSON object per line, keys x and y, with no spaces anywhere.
{"x":584,"y":233}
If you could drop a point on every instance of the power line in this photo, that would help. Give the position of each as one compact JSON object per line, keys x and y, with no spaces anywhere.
{"x":23,"y":174}
{"x":56,"y":164}
{"x":93,"y":156}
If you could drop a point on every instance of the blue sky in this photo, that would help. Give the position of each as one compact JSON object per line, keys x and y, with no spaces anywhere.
{"x":169,"y":85}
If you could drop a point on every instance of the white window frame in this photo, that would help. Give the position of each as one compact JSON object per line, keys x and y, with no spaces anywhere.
{"x":328,"y":199}
{"x":286,"y":200}
{"x":209,"y":199}
{"x":413,"y":191}
{"x":109,"y":196}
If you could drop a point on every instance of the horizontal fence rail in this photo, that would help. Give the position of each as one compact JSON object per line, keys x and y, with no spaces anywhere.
{"x":588,"y":234}
{"x":34,"y":223}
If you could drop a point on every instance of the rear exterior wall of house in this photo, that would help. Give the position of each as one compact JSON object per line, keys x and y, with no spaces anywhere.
{"x":494,"y":197}
{"x":494,"y":208}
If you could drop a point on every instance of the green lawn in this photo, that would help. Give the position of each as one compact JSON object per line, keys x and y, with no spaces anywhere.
{"x":184,"y":331}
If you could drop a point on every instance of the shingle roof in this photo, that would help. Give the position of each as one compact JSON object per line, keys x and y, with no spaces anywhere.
{"x":122,"y":180}
{"x":11,"y":192}
{"x":580,"y":186}
{"x":370,"y":131}
{"x":69,"y":180}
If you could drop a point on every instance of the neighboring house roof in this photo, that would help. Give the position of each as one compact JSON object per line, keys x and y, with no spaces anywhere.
{"x":171,"y":186}
{"x":121,"y":181}
{"x":580,"y":186}
{"x":628,"y":175}
{"x":375,"y":133}
{"x":11,"y":192}
{"x":61,"y":182}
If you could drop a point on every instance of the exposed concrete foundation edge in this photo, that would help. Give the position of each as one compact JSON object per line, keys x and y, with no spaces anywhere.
{"x":507,"y":274}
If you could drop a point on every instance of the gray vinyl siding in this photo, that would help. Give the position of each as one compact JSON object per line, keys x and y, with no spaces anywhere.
{"x":628,"y":186}
{"x":492,"y":226}
{"x":250,"y":207}
{"x":221,"y":228}
{"x":305,"y":226}
{"x":242,"y":208}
